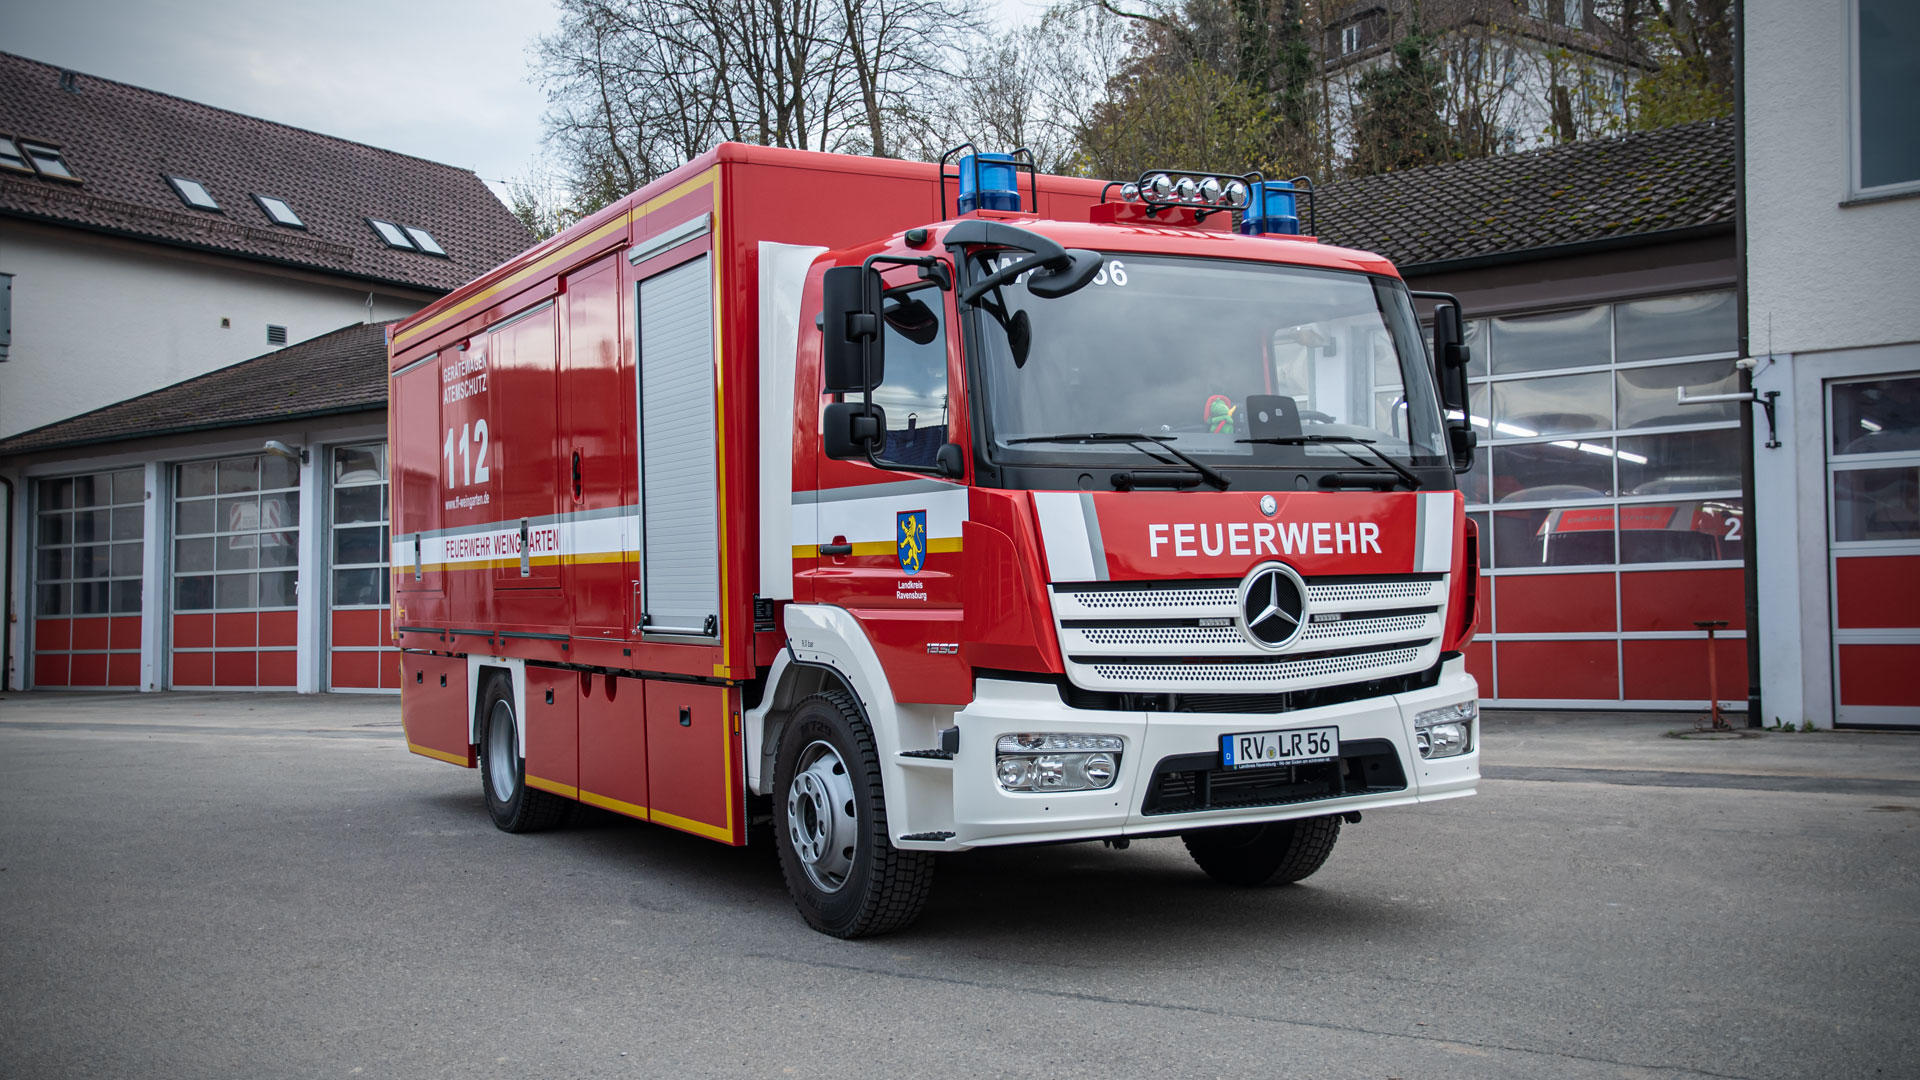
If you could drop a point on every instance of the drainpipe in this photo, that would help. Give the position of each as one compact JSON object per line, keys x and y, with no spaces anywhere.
{"x":6,"y":593}
{"x":1750,"y":556}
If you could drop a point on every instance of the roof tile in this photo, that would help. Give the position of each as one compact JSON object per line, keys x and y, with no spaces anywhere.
{"x":123,"y":141}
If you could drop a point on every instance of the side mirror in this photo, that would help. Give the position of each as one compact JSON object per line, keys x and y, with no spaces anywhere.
{"x":950,"y":461}
{"x":1451,"y":354}
{"x":1052,"y":282}
{"x":853,"y":430}
{"x":851,"y":342}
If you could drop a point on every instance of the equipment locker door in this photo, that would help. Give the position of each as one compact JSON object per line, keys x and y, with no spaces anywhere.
{"x":597,"y":514}
{"x":680,"y":542}
{"x":517,"y":455}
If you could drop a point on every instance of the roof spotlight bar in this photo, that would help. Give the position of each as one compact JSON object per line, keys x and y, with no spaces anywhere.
{"x":1202,"y":192}
{"x":1207,"y":193}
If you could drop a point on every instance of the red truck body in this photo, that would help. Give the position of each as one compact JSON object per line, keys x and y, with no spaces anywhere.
{"x":612,"y":515}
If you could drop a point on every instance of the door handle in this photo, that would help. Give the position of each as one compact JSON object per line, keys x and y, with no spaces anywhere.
{"x":576,"y":474}
{"x":836,"y":549}
{"x":526,"y":557}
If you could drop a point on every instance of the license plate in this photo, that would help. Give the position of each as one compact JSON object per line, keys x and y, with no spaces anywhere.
{"x":1265,"y":749}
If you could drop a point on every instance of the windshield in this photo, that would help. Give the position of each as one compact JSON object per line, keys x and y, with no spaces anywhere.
{"x":1241,"y":363}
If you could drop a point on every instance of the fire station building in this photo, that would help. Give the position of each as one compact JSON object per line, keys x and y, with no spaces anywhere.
{"x":176,"y":514}
{"x":1602,"y":279}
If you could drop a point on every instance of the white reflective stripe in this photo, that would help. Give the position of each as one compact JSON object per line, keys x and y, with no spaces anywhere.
{"x":876,"y":518}
{"x":1063,"y":528}
{"x":783,"y":275}
{"x":1434,"y":554}
{"x":565,"y":538}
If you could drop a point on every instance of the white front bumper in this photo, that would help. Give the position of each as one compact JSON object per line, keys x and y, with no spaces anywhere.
{"x":985,"y":814}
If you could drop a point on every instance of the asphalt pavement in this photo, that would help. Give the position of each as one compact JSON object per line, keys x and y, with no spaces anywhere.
{"x":268,"y":885}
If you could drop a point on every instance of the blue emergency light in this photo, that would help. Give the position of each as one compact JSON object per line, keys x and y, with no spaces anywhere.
{"x":1272,"y":208}
{"x":989,"y":182}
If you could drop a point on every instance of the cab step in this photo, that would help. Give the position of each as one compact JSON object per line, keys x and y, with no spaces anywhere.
{"x":937,"y":755}
{"x":929,"y":837}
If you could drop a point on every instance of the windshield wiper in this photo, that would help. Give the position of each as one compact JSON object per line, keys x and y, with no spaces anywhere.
{"x":1391,"y":462}
{"x":1207,"y":472}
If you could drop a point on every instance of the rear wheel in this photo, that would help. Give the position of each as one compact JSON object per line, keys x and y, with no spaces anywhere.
{"x":830,"y":826}
{"x":513,"y":805}
{"x":1281,"y":852}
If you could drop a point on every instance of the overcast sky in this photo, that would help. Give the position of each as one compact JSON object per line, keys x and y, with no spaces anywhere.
{"x":442,"y":79}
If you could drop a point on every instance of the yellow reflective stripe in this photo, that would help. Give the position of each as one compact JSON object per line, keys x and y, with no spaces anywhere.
{"x":615,"y":805}
{"x":939,"y":544}
{"x":554,"y":786}
{"x":437,"y":755}
{"x":697,"y":828}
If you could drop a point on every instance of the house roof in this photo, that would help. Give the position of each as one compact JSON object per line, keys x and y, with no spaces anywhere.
{"x":124,"y":141}
{"x":339,"y":372}
{"x":1648,"y":182}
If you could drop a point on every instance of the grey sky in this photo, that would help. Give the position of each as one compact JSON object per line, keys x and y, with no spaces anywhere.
{"x":442,"y":79}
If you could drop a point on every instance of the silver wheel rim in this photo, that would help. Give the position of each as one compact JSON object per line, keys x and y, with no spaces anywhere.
{"x":820,"y":817}
{"x":502,"y":770}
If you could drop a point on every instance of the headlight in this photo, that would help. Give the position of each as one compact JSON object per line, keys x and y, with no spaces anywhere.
{"x":1446,"y":731}
{"x":1057,"y":762}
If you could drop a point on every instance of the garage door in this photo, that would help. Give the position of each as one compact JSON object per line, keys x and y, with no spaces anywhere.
{"x":1873,"y":487}
{"x":88,"y":539}
{"x":235,"y":566}
{"x":360,"y":652}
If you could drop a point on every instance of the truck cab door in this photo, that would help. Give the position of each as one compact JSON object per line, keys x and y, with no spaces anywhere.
{"x":890,"y":538}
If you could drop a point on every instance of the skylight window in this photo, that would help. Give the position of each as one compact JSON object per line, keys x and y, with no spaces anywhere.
{"x":279,"y":211}
{"x":47,"y":160}
{"x":11,"y":157}
{"x":392,"y":234}
{"x":193,"y":193}
{"x":425,"y":242}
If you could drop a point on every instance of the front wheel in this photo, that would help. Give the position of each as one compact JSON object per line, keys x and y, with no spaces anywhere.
{"x":1282,"y":852}
{"x":830,"y":826}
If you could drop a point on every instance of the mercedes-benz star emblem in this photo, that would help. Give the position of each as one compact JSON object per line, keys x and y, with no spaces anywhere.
{"x":1268,"y":504}
{"x":1273,"y":606}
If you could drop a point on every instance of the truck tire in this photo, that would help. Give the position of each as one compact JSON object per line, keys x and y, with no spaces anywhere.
{"x":1281,"y":852}
{"x":830,"y":825}
{"x":514,"y":807}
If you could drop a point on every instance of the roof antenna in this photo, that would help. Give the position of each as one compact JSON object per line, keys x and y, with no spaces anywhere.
{"x":69,"y":81}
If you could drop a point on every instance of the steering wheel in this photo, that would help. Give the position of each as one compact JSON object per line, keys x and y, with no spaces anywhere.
{"x":1317,"y":416}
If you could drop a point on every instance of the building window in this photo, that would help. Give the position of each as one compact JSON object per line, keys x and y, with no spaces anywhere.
{"x":193,"y":193}
{"x":1886,"y":97}
{"x":89,"y":547}
{"x":279,"y":212}
{"x":424,"y":240}
{"x":47,"y":161}
{"x":395,"y":236}
{"x":1571,"y":14}
{"x":11,"y":157}
{"x":359,"y":525}
{"x":1350,"y":39}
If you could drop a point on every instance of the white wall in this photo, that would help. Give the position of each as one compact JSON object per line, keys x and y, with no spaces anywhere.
{"x":1821,"y":275}
{"x":97,"y":320}
{"x":1833,"y":292}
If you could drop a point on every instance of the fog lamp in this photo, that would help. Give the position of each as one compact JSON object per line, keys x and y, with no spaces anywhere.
{"x":1446,"y":731}
{"x":1057,"y":761}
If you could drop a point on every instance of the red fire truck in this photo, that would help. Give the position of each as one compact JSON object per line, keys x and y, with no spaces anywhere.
{"x":901,"y":508}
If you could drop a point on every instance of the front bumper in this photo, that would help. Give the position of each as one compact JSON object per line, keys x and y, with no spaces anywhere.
{"x":985,"y":814}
